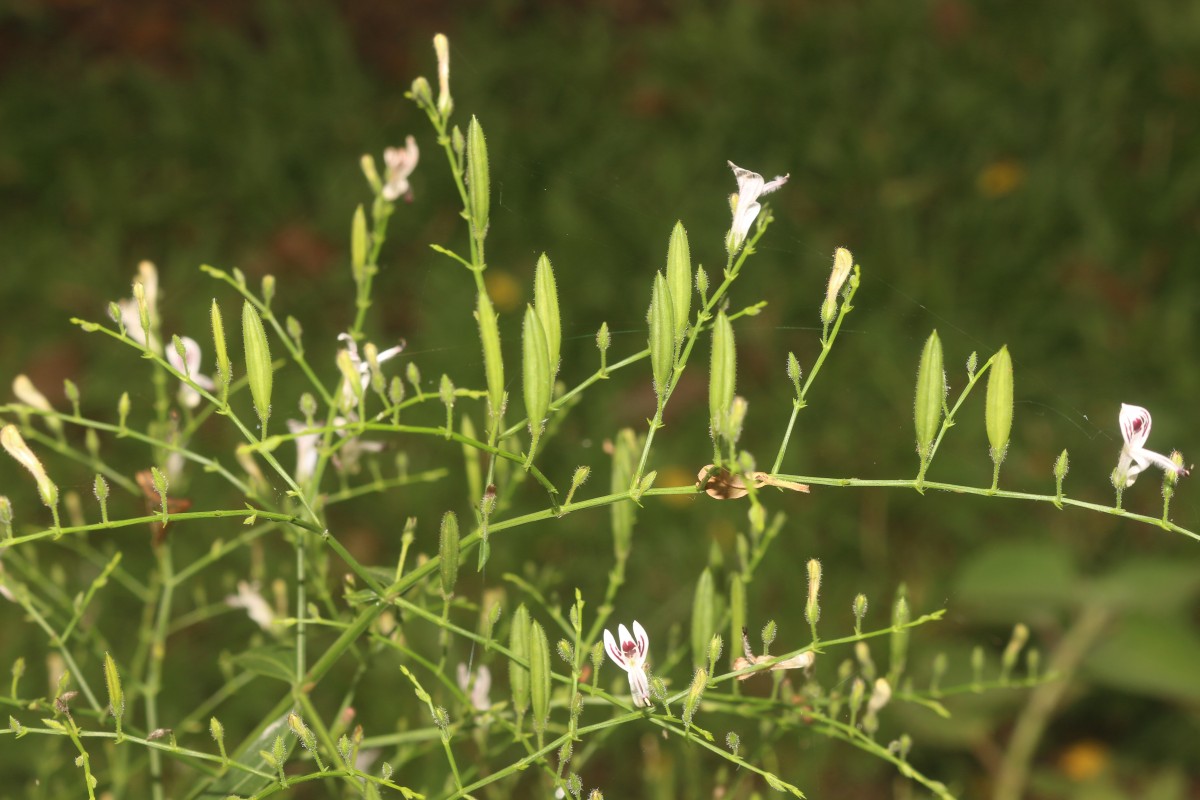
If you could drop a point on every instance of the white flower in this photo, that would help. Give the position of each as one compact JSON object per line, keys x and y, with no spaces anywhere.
{"x":1135,"y":430}
{"x":880,"y":695}
{"x":745,"y":205}
{"x":631,"y":657}
{"x":307,"y":450}
{"x":799,"y":661}
{"x":349,"y":398}
{"x":256,"y":606}
{"x":400,"y":163}
{"x":189,"y":365}
{"x":483,"y":684}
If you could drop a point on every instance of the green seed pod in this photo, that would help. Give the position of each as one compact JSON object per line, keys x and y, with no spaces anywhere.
{"x":662,"y":336}
{"x":535,"y":360}
{"x":518,"y":675}
{"x":899,"y":639}
{"x":478,"y":187}
{"x":722,"y":376}
{"x":116,"y":697}
{"x":545,"y":303}
{"x":999,"y":410}
{"x":625,"y":454}
{"x":737,"y":612}
{"x":931,"y":396}
{"x":692,"y":700}
{"x":258,"y":362}
{"x":704,"y":618}
{"x":493,"y":360}
{"x":351,"y":378}
{"x":224,"y":370}
{"x":358,"y":245}
{"x":679,"y":278}
{"x":539,"y":677}
{"x":448,"y":552}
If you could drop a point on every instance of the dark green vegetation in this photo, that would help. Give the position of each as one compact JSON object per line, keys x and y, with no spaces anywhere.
{"x":1022,"y":174}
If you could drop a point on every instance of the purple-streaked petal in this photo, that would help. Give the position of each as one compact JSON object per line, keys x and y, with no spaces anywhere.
{"x":614,"y":653}
{"x":1135,"y":425}
{"x":640,"y":637}
{"x":624,"y":636}
{"x":639,"y":687}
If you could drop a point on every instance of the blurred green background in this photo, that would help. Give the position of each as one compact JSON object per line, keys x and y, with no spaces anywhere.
{"x":1016,"y":173}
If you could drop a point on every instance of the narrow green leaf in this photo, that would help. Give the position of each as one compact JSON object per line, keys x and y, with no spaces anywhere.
{"x":704,"y":622}
{"x":999,"y":413}
{"x":662,"y":336}
{"x":545,"y":303}
{"x":539,"y":676}
{"x":679,"y":278}
{"x":493,"y":360}
{"x":931,"y":395}
{"x":722,"y":376}
{"x":258,"y":362}
{"x":535,"y":360}
{"x":478,"y":185}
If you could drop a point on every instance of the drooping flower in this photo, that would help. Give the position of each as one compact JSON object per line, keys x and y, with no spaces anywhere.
{"x":799,"y":661}
{"x":257,"y":608}
{"x":307,"y":450}
{"x":400,"y":163}
{"x":745,"y":204}
{"x":1135,"y":430}
{"x":189,"y":365}
{"x":631,"y":657}
{"x":482,"y":685}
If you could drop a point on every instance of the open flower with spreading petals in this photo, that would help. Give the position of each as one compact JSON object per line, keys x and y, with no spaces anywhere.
{"x":745,"y":204}
{"x":400,"y":163}
{"x":189,"y":365}
{"x":1135,"y":430}
{"x":631,"y":657}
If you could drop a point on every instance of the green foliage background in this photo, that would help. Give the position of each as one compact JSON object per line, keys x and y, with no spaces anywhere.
{"x":1009,"y":173}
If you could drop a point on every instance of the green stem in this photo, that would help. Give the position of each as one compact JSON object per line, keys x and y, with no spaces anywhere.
{"x":910,"y":483}
{"x":1035,"y":716}
{"x":826,"y":346}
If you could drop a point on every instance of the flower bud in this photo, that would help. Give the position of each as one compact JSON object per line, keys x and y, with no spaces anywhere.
{"x":842,"y":262}
{"x":28,"y":394}
{"x":15,"y":444}
{"x":812,"y":609}
{"x":860,"y":611}
{"x":422,"y":93}
{"x":445,"y":103}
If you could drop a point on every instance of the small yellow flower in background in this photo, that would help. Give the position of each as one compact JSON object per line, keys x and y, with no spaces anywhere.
{"x":1084,"y":760}
{"x":503,"y":289}
{"x":1000,"y":178}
